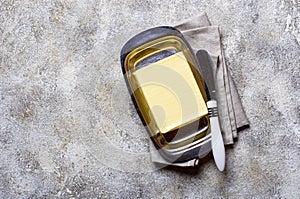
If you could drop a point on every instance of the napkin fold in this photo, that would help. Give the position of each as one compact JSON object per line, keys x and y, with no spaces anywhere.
{"x":202,"y":35}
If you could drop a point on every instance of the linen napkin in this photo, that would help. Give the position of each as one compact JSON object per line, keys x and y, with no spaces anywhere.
{"x":202,"y":35}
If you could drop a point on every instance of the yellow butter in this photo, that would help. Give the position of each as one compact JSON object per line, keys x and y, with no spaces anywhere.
{"x":171,"y":92}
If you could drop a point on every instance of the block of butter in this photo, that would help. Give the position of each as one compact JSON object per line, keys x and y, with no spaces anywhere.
{"x":171,"y":92}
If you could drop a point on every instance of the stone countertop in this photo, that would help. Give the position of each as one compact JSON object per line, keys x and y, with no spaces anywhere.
{"x":67,"y":124}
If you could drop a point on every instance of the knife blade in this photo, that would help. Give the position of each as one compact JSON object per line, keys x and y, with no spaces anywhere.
{"x":217,"y":144}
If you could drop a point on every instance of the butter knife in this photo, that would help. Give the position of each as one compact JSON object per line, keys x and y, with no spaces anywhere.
{"x":217,"y":144}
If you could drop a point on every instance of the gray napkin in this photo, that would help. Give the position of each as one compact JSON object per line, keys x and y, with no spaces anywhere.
{"x":201,"y":35}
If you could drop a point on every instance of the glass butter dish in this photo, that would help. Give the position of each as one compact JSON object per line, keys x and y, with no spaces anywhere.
{"x":163,"y":77}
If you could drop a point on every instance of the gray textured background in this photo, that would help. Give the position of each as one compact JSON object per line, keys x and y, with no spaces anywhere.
{"x":67,"y":125}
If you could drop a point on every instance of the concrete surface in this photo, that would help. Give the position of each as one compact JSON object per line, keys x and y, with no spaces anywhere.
{"x":68,"y":128}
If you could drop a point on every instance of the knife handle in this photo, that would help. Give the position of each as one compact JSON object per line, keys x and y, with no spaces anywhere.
{"x":218,"y":148}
